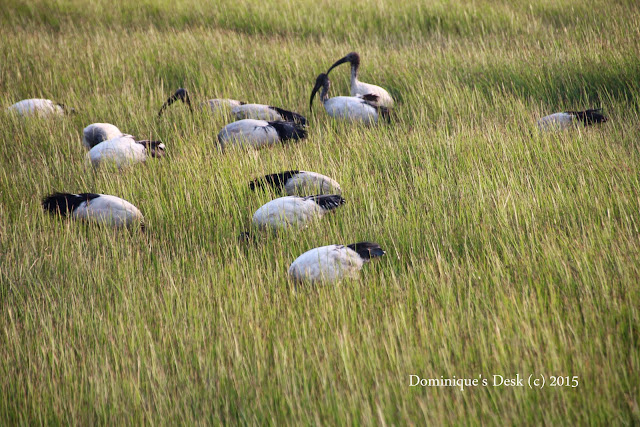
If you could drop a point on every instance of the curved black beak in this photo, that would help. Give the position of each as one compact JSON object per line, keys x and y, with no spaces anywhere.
{"x":313,"y":94}
{"x":338,"y":62}
{"x":182,"y":95}
{"x":320,"y":81}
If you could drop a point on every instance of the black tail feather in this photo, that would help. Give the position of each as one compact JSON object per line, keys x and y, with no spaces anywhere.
{"x":289,"y":130}
{"x":290,"y":116}
{"x":327,"y":201}
{"x":155,"y":148}
{"x":275,"y":180}
{"x":371,"y":97}
{"x":65,"y":203}
{"x":590,"y":117}
{"x":367,"y":250}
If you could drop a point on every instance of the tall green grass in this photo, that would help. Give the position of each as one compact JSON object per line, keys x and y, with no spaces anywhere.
{"x":508,"y":251}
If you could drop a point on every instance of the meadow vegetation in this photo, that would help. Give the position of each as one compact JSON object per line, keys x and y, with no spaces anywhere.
{"x":508,"y":251}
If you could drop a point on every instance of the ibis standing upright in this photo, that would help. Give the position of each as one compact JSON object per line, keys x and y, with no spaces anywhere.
{"x":359,"y":88}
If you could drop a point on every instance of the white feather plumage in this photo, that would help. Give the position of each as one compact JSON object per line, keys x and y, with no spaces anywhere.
{"x":286,"y":212}
{"x":37,"y":107}
{"x":326,"y":264}
{"x":96,"y":133}
{"x":121,"y":151}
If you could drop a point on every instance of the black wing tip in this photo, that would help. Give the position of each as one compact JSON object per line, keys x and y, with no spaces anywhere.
{"x":367,"y":250}
{"x":371,"y":97}
{"x":275,"y":180}
{"x":590,"y":116}
{"x":290,"y":116}
{"x":63,"y":203}
{"x":328,"y":201}
{"x":289,"y":130}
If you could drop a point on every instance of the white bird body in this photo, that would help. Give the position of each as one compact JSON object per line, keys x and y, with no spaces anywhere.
{"x":294,"y":211}
{"x":37,"y":107}
{"x":99,"y":208}
{"x":557,"y":121}
{"x":359,"y":88}
{"x":256,"y":112}
{"x":259,"y":133}
{"x":326,"y":263}
{"x":122,"y":151}
{"x":350,"y":108}
{"x":333,"y":263}
{"x":568,"y":119}
{"x":221,"y":105}
{"x":96,"y":133}
{"x":306,"y":183}
{"x":298,"y":183}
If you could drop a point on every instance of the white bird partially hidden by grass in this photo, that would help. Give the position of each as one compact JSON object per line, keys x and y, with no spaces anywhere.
{"x":568,"y":119}
{"x":352,"y":108}
{"x":96,"y":133}
{"x":240,"y":110}
{"x":298,"y":183}
{"x":39,"y":107}
{"x":294,"y":211}
{"x":332,"y":263}
{"x":124,"y":151}
{"x":97,"y":208}
{"x":359,"y":88}
{"x":259,"y":133}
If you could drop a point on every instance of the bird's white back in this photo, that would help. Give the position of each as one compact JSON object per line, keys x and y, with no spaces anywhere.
{"x":285,"y":212}
{"x":326,"y":264}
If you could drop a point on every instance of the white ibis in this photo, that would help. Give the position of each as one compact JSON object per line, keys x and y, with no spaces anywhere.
{"x":260,"y":133}
{"x":334,"y":262}
{"x":240,"y":110}
{"x":298,"y":183}
{"x":124,"y":151}
{"x":351,"y":108}
{"x":96,"y":133}
{"x":360,"y":88}
{"x":567,"y":119}
{"x":294,"y":211}
{"x":98,"y":208}
{"x":39,"y":107}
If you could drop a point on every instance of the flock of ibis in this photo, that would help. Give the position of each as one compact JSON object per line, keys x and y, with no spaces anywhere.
{"x":309,"y":195}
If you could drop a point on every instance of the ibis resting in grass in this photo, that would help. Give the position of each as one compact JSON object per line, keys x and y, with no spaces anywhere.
{"x":334,"y":262}
{"x":298,"y":183}
{"x":97,"y":208}
{"x":294,"y":211}
{"x":39,"y":107}
{"x":259,"y":133}
{"x":124,"y":150}
{"x":567,"y":119}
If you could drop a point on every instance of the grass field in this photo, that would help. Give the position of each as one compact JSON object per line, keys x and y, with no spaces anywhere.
{"x":508,"y":251}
